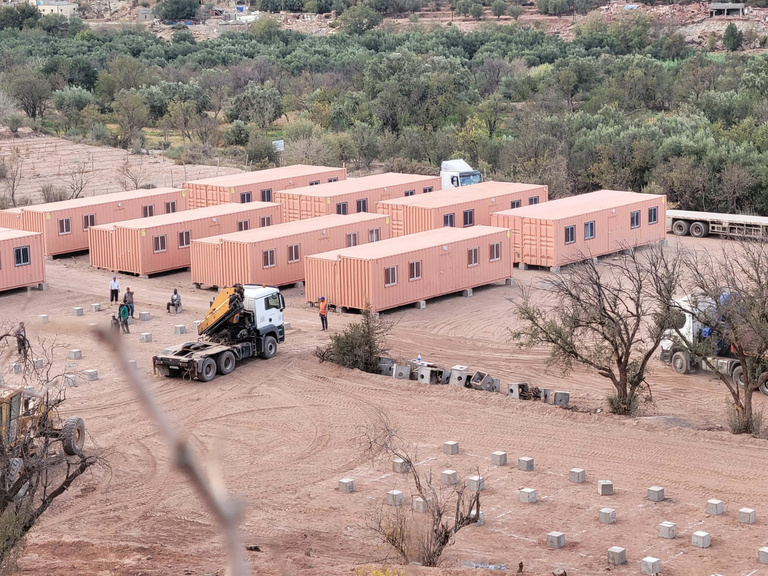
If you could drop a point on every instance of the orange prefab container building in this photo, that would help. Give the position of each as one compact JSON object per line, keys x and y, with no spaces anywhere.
{"x":11,"y":218}
{"x":460,"y":207}
{"x":572,"y":229}
{"x":275,"y":255}
{"x":22,"y":262}
{"x":410,"y":268}
{"x":259,"y":185}
{"x":64,"y":225}
{"x":151,"y":245}
{"x":352,"y":196}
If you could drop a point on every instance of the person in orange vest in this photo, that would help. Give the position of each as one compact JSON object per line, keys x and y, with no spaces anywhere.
{"x":323,"y":313}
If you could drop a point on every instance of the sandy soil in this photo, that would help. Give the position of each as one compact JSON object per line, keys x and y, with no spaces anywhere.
{"x":282,"y":432}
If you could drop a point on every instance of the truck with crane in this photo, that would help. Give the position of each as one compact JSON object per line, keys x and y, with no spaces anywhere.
{"x":243,"y":321}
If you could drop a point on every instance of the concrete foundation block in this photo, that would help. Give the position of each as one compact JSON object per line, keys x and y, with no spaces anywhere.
{"x":70,"y":379}
{"x":667,"y":530}
{"x":528,"y":495}
{"x":510,"y":282}
{"x":198,"y":322}
{"x":714,"y":507}
{"x":604,"y":487}
{"x":762,"y":555}
{"x":77,"y":311}
{"x":346,"y":485}
{"x":43,"y":318}
{"x":556,"y":540}
{"x":545,"y":393}
{"x":299,"y":285}
{"x":577,"y":475}
{"x":145,"y":337}
{"x":144,"y":316}
{"x":429,"y":375}
{"x":617,"y":556}
{"x":700,"y":539}
{"x":525,"y":463}
{"x":37,"y":363}
{"x":399,"y":465}
{"x":180,"y":329}
{"x":480,"y":517}
{"x":18,"y":367}
{"x":395,"y":498}
{"x":384,"y":369}
{"x":522,"y":266}
{"x":656,"y":494}
{"x":286,"y":325}
{"x":481,"y":381}
{"x":499,"y":458}
{"x":75,"y":354}
{"x":401,"y":371}
{"x":91,"y":375}
{"x":555,"y":269}
{"x":420,"y":305}
{"x":607,"y":516}
{"x":650,"y":565}
{"x":476,"y":483}
{"x":467,"y":293}
{"x":746,"y":516}
{"x":96,"y":307}
{"x":562,"y":399}
{"x":132,"y":364}
{"x":451,"y":447}
{"x":517,"y":390}
{"x":420,"y":506}
{"x":42,"y":286}
{"x":459,"y":375}
{"x":129,"y":321}
{"x":449,"y":477}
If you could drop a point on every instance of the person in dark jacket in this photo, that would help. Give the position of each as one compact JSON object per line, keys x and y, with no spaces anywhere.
{"x":124,"y":315}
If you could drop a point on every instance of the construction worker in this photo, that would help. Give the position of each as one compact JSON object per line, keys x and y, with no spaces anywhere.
{"x":323,"y":313}
{"x":114,"y":291}
{"x":128,"y":300}
{"x":125,"y":313}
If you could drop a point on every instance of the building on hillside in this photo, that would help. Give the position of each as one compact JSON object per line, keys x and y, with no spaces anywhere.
{"x":725,"y":9}
{"x":66,"y":9}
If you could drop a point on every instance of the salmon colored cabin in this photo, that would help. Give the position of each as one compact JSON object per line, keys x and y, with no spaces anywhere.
{"x":352,"y":196}
{"x":259,"y":185}
{"x":275,"y":255}
{"x":409,"y":269}
{"x":22,"y":262}
{"x":64,"y":225}
{"x":460,"y":207}
{"x":151,"y":245}
{"x":11,"y":218}
{"x":571,"y":229}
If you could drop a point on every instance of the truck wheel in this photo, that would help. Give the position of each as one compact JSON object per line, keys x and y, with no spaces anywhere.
{"x":738,"y":376}
{"x":226,"y":362}
{"x":73,"y":436}
{"x":762,"y":383}
{"x":681,"y":362}
{"x":207,"y":370}
{"x":680,"y":227}
{"x":270,"y":347}
{"x":699,"y":229}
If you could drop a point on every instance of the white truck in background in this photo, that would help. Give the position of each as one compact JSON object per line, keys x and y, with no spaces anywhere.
{"x":700,"y":224}
{"x":457,"y":173}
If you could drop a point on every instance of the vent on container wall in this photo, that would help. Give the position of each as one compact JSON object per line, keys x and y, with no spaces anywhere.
{"x":493,"y":200}
{"x":214,"y":219}
{"x":445,"y":248}
{"x":324,"y":232}
{"x":119,"y":204}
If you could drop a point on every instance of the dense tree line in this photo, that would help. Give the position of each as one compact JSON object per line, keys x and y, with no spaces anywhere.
{"x":624,"y":105}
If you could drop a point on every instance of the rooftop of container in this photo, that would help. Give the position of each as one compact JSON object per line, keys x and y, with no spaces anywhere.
{"x":292,"y":228}
{"x":410,"y":243}
{"x":100,"y":199}
{"x":10,"y":233}
{"x":484,"y":190}
{"x":351,"y":185}
{"x":188,"y":215}
{"x":581,"y":204}
{"x":245,"y":178}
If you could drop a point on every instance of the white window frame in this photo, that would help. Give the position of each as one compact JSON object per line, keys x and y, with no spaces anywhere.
{"x":314,"y":182}
{"x":333,"y":179}
{"x":473,"y":257}
{"x":294,"y":253}
{"x":515,"y":204}
{"x":587,"y":226}
{"x":266,"y":195}
{"x":428,"y":189}
{"x":374,"y":234}
{"x":22,"y":256}
{"x":341,"y":208}
{"x":148,"y":210}
{"x":268,"y":258}
{"x":65,"y":226}
{"x":449,"y":218}
{"x":157,"y":241}
{"x":170,"y":207}
{"x":570,"y":234}
{"x":634,"y":219}
{"x":246,"y":197}
{"x":469,"y":216}
{"x":352,"y":240}
{"x":533,"y":200}
{"x":495,"y":251}
{"x":265,"y":221}
{"x":653,"y":210}
{"x":390,"y":276}
{"x":410,"y":193}
{"x":243,"y":225}
{"x":362,"y":205}
{"x":414,"y":270}
{"x":185,"y":239}
{"x":88,"y":221}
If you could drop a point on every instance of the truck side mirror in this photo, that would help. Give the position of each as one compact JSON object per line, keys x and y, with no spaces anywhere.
{"x":455,"y":181}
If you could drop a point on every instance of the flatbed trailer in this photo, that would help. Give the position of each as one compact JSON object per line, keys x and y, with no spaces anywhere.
{"x":700,"y":224}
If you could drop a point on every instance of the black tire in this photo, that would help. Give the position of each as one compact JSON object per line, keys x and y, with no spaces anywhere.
{"x":270,"y":347}
{"x":680,"y":227}
{"x":699,"y":229}
{"x":763,"y":383}
{"x":73,"y":436}
{"x":226,"y":362}
{"x":207,"y":370}
{"x":738,"y":376}
{"x":681,"y":362}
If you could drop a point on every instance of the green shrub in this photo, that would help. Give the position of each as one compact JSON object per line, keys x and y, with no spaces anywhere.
{"x":359,"y":346}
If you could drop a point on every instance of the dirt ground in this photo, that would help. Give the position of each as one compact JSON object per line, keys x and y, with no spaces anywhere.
{"x":283,"y":432}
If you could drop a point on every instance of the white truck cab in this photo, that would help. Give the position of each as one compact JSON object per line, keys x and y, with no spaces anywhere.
{"x":457,"y":173}
{"x":266,"y":303}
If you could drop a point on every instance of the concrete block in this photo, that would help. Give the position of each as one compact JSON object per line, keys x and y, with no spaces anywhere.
{"x":132,"y":364}
{"x":650,"y":565}
{"x":467,"y":293}
{"x":617,"y":556}
{"x":556,"y":540}
{"x":700,"y":539}
{"x":562,"y":399}
{"x":656,"y":494}
{"x":299,"y":285}
{"x":420,"y":505}
{"x":499,"y":458}
{"x":577,"y":475}
{"x":451,"y":447}
{"x":70,"y":379}
{"x":346,"y":485}
{"x":459,"y":375}
{"x":604,"y":487}
{"x":510,"y":282}
{"x":481,"y":381}
{"x":43,"y":318}
{"x":420,"y":305}
{"x":714,"y":507}
{"x":42,"y":286}
{"x":401,"y":371}
{"x":668,"y":530}
{"x":762,"y":555}
{"x":399,"y":465}
{"x":382,"y":359}
{"x":96,"y":307}
{"x":395,"y":498}
{"x":746,"y":516}
{"x":555,"y":269}
{"x":77,"y":311}
{"x":384,"y":369}
{"x":449,"y":477}
{"x":145,"y":337}
{"x":607,"y":516}
{"x":37,"y":363}
{"x":517,"y":390}
{"x":545,"y":395}
{"x":476,"y":483}
{"x":480,"y":517}
{"x":144,"y":316}
{"x":75,"y":354}
{"x":198,"y":322}
{"x":180,"y":329}
{"x":286,"y":325}
{"x":527,"y":495}
{"x":525,"y":463}
{"x":129,"y":321}
{"x":18,"y":367}
{"x":429,"y":375}
{"x":91,"y":375}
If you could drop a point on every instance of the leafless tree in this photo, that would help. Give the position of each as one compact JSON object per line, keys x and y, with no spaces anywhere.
{"x":79,"y":177}
{"x":416,"y":538}
{"x":14,"y":171}
{"x":131,"y":177}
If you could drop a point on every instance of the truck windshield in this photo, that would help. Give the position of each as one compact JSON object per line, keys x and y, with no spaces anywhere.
{"x":469,"y":178}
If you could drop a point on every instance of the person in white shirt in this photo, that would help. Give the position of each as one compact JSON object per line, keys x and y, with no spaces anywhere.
{"x":114,"y":291}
